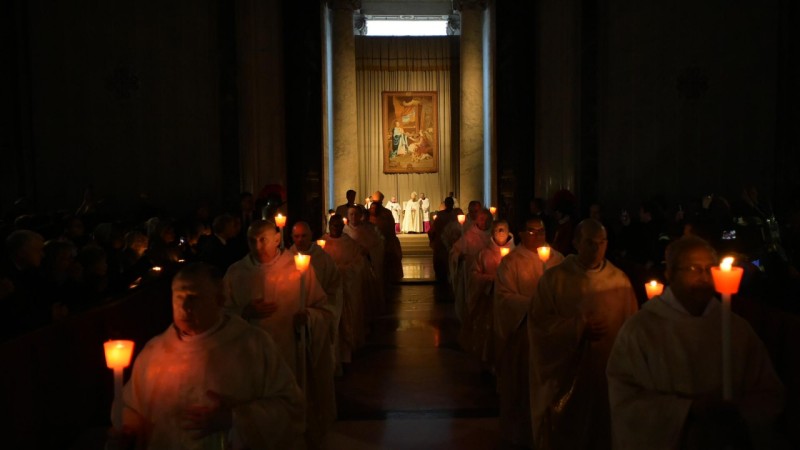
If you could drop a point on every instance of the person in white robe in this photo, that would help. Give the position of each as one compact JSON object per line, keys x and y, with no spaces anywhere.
{"x":425,"y":207}
{"x":665,"y":369}
{"x":579,"y":307}
{"x":325,"y":269}
{"x":368,"y":237}
{"x":463,"y":255}
{"x":266,"y":286}
{"x":477,"y":331}
{"x":412,"y":215}
{"x":516,"y":281}
{"x":394,"y":206}
{"x":210,"y":381}
{"x":353,"y":263}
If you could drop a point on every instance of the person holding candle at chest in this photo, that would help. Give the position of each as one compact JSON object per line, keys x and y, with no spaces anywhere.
{"x":515,"y":286}
{"x":210,"y":381}
{"x":266,"y":287}
{"x":665,"y":372}
{"x":575,"y":315}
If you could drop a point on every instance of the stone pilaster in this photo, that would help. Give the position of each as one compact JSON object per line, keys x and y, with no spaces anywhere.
{"x":471,"y":141}
{"x":345,"y":127}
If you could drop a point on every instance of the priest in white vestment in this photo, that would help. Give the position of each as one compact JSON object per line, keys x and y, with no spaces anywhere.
{"x":210,"y":381}
{"x":394,"y":206}
{"x":664,"y":372}
{"x":463,"y":255}
{"x":412,"y":215}
{"x":477,"y":330}
{"x":368,"y":237}
{"x":266,"y":286}
{"x":324,"y":268}
{"x":516,"y":281}
{"x":425,"y":206}
{"x":352,"y":261}
{"x":579,"y":307}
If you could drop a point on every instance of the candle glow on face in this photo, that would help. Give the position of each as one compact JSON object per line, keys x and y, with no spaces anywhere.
{"x":301,"y":262}
{"x":653,"y":289}
{"x":462,"y":218}
{"x":321,"y":243}
{"x":280,"y":220}
{"x":118,"y":353}
{"x":504,"y":251}
{"x":544,"y":253}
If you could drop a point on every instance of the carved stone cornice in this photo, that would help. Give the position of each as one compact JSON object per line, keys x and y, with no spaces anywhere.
{"x":463,"y":5}
{"x":359,"y":25}
{"x":349,"y":5}
{"x":454,"y":25}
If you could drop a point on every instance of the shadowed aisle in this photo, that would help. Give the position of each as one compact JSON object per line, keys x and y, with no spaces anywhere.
{"x":411,"y":387}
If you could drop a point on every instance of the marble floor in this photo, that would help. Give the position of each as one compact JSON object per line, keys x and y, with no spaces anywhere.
{"x":411,"y":387}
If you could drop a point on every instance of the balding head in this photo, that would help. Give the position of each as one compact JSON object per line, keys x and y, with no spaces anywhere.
{"x":377,"y":196}
{"x":301,"y":235}
{"x":591,"y":242}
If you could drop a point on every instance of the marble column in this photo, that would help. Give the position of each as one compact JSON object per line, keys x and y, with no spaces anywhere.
{"x":345,"y":126}
{"x":262,"y":135}
{"x":557,"y":94}
{"x":471,"y":121}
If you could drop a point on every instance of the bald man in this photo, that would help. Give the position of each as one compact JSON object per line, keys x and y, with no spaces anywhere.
{"x":210,"y":380}
{"x":574,"y":318}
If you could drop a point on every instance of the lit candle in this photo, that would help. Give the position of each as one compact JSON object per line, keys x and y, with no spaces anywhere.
{"x":302,"y":261}
{"x":321,"y":243}
{"x":544,"y":253}
{"x":504,"y":251}
{"x":462,"y":218}
{"x":156,"y":269}
{"x":653,"y":288}
{"x":118,"y":357}
{"x":492,"y":209}
{"x":280,"y":220}
{"x":726,"y":282}
{"x":344,"y":219}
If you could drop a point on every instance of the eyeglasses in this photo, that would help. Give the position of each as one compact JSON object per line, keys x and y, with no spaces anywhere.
{"x":696,"y":269}
{"x":534,"y":231}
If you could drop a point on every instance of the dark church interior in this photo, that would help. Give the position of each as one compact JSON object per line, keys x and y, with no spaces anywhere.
{"x":129,"y":129}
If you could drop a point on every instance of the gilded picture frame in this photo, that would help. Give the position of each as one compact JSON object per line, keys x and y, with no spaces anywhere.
{"x":410,"y":132}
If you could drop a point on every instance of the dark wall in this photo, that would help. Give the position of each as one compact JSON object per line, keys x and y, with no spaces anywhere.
{"x":679,"y":98}
{"x":687,"y":96}
{"x":125,"y":98}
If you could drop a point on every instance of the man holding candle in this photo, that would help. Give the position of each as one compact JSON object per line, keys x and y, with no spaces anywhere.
{"x":579,"y":308}
{"x":516,"y":281}
{"x":477,"y":331}
{"x":665,"y":369}
{"x":210,"y":380}
{"x":266,"y":287}
{"x":463,"y":256}
{"x":352,"y":262}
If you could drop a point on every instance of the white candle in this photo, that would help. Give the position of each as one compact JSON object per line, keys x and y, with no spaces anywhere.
{"x":726,"y":282}
{"x":118,"y":357}
{"x":653,"y":289}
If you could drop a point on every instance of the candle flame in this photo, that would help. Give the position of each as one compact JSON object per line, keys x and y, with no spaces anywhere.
{"x":321,"y":243}
{"x":462,"y":218}
{"x":301,"y":261}
{"x":653,"y":283}
{"x":156,"y":268}
{"x":504,"y":251}
{"x":118,"y":353}
{"x":726,"y":264}
{"x":492,"y":209}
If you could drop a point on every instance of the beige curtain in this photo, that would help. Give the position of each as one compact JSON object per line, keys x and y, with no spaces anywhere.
{"x":402,"y":64}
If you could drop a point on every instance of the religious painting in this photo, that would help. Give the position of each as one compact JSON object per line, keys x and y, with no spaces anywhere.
{"x":410,"y":132}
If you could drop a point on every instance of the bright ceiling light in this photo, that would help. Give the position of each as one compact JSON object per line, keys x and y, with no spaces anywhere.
{"x":406,"y":27}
